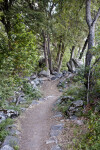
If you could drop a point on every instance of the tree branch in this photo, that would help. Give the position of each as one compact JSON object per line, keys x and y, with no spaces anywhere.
{"x":96,"y":17}
{"x":83,"y":49}
{"x":88,"y":12}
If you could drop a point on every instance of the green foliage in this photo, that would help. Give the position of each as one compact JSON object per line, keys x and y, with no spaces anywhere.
{"x":3,"y":131}
{"x":91,"y":140}
{"x":30,"y":92}
{"x":77,"y":91}
{"x":64,"y":107}
{"x":16,"y":147}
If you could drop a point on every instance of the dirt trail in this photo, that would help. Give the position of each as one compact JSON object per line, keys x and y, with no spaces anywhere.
{"x":37,"y":120}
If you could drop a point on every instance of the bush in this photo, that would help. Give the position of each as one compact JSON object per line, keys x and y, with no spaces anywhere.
{"x":91,"y":140}
{"x":3,"y":131}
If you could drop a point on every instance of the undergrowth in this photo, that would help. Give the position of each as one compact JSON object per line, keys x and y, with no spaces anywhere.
{"x":3,"y":131}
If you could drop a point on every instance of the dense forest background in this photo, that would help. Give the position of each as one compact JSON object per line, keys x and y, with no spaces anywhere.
{"x":50,"y":35}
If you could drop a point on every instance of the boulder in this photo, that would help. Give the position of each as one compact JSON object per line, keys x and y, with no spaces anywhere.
{"x":2,"y":117}
{"x":11,"y":140}
{"x":32,"y":77}
{"x":64,"y":99}
{"x":77,"y":103}
{"x":45,"y":73}
{"x":12,"y":113}
{"x":6,"y":147}
{"x":56,"y":148}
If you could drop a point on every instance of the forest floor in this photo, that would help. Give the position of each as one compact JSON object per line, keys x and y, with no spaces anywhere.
{"x":35,"y":123}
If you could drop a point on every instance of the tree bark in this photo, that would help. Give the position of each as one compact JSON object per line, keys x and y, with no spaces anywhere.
{"x":83,"y":49}
{"x":61,"y":57}
{"x":45,"y":50}
{"x":49,"y":54}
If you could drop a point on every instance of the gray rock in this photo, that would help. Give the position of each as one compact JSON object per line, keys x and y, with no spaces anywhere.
{"x":58,"y":115}
{"x":41,"y":99}
{"x":33,"y":77}
{"x":51,"y":140}
{"x":2,"y":117}
{"x":37,"y":81}
{"x":79,"y":122}
{"x":73,"y":117}
{"x":6,"y":147}
{"x":45,"y":73}
{"x":34,"y":84}
{"x":56,"y":148}
{"x":34,"y":102}
{"x":12,"y":113}
{"x":54,"y":78}
{"x":64,"y":99}
{"x":12,"y":130}
{"x":23,"y":109}
{"x":11,"y":140}
{"x":56,"y":129}
{"x":78,"y":103}
{"x":59,"y":75}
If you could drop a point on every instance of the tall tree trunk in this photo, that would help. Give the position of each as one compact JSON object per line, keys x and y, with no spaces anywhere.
{"x":91,"y":24}
{"x":45,"y":51}
{"x":61,"y":57}
{"x":49,"y":54}
{"x":58,"y":53}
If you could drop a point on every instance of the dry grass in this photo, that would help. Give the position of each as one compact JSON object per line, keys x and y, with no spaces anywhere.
{"x":71,"y":135}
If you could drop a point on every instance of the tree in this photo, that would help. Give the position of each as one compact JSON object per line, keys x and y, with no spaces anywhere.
{"x":91,"y":25}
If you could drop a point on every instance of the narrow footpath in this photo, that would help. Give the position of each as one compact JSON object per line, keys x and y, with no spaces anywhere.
{"x":36,"y":122}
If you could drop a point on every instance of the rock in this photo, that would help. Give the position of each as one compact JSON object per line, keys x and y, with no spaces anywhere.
{"x":12,"y":130}
{"x":73,"y":117}
{"x":54,"y":73}
{"x":34,"y":76}
{"x":79,"y":122}
{"x":56,"y":148}
{"x":64,"y":99}
{"x":41,"y":99}
{"x":23,"y":109}
{"x":56,"y":129}
{"x":12,"y":113}
{"x":45,"y":73}
{"x":2,"y":117}
{"x":11,"y":140}
{"x":60,"y":90}
{"x":54,"y":78}
{"x":34,"y":84}
{"x":77,"y":103}
{"x":37,"y":81}
{"x":59,"y":75}
{"x":6,"y":147}
{"x":58,"y":115}
{"x":64,"y":72}
{"x":34,"y":102}
{"x":51,"y":140}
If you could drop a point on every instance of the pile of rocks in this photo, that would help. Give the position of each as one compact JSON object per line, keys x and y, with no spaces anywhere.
{"x":75,"y":107}
{"x":4,"y":114}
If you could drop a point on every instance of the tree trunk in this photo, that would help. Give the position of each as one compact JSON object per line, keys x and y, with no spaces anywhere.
{"x":49,"y":54}
{"x":83,"y":49}
{"x":45,"y":51}
{"x":91,"y":24}
{"x":61,"y":58}
{"x":70,"y":64}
